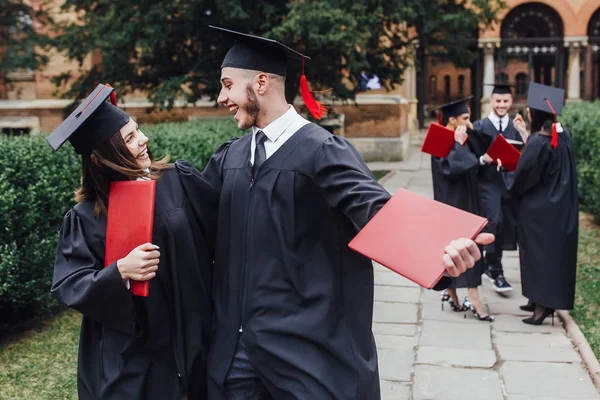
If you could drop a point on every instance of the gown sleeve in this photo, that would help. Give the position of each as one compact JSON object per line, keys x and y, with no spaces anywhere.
{"x":532,"y":164}
{"x":81,"y":282}
{"x":213,"y":172}
{"x":346,"y":182}
{"x":202,"y":196}
{"x":460,"y":161}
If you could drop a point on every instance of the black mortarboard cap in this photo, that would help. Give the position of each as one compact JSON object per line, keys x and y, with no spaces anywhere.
{"x":539,"y":96}
{"x":500,"y":88}
{"x":258,"y":53}
{"x":94,"y":121}
{"x":454,"y":108}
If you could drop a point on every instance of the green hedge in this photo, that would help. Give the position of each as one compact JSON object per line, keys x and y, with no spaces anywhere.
{"x":36,"y":189}
{"x":583,"y":120}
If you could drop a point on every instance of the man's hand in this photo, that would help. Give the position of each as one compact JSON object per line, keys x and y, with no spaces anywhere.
{"x":487,"y":159}
{"x":462,"y":254}
{"x":460,"y":134}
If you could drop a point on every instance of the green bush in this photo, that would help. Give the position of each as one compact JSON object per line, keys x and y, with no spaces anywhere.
{"x":36,"y":189}
{"x":583,"y":120}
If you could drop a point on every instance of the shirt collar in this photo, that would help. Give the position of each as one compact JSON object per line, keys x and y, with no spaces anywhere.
{"x":274,"y":130}
{"x":495,"y":119}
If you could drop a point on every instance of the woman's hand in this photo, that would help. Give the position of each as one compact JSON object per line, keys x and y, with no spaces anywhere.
{"x":460,"y":134}
{"x":521,"y":127}
{"x":140,"y":264}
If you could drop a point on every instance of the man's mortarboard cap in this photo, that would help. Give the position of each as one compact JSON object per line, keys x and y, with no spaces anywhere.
{"x":539,"y":96}
{"x":94,"y":121}
{"x":268,"y":55}
{"x":454,"y":108}
{"x":547,"y":99}
{"x":500,"y":88}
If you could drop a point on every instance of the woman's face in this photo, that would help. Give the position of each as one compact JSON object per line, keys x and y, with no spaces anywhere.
{"x":136,"y":143}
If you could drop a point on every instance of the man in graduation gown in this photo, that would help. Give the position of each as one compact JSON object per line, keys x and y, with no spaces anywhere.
{"x":497,"y":205}
{"x":545,"y":185}
{"x":293,"y":304}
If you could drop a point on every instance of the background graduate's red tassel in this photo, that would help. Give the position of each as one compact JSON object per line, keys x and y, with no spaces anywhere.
{"x":554,"y":140}
{"x":113,"y":96}
{"x":316,"y":109}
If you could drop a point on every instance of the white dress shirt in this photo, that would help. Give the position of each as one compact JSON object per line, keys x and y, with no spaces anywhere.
{"x":496,"y":121}
{"x":278,"y":132}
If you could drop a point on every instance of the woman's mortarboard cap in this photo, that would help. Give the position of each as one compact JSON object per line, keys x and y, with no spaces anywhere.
{"x":453,"y":109}
{"x":91,"y":124}
{"x":268,"y":55}
{"x":547,"y":99}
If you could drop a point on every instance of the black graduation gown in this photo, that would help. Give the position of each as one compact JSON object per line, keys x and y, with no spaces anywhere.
{"x":132,"y":347}
{"x":455,"y":183}
{"x":496,"y":205}
{"x":545,"y":185}
{"x":283,"y":269}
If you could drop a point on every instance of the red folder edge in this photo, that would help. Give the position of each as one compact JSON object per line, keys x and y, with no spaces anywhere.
{"x":506,"y":152}
{"x":439,"y":141}
{"x":129,"y":223}
{"x":361,"y":245}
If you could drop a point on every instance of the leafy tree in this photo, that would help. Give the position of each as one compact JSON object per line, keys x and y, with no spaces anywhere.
{"x":165,"y":48}
{"x":21,"y":42}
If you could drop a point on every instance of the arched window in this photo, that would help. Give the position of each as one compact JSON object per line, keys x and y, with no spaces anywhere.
{"x":521,"y":84}
{"x":447,"y":87}
{"x":461,"y":86}
{"x":433,"y":89}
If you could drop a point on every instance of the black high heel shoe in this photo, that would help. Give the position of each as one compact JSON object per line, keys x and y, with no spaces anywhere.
{"x":446,"y":297}
{"x":530,"y":306}
{"x":540,"y":319}
{"x":478,"y":317}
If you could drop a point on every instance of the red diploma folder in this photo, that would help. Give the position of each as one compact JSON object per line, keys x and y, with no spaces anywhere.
{"x":506,"y":152}
{"x":129,"y":222}
{"x":439,"y":140}
{"x":410,"y":232}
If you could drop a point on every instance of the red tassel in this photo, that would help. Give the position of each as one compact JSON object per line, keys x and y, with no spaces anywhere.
{"x":439,"y":114}
{"x":554,"y":141}
{"x":316,"y":109}
{"x":113,"y":96}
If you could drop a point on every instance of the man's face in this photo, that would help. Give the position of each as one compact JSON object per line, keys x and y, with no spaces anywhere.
{"x":238,"y":95}
{"x":501,"y":103}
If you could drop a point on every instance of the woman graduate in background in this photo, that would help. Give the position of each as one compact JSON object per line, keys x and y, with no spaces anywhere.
{"x":133,"y":347}
{"x":545,"y":185}
{"x":455,"y":183}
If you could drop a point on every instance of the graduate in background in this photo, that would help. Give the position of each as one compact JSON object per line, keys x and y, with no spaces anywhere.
{"x":293,"y":304}
{"x":134,"y":347}
{"x":495,"y":203}
{"x":545,"y":185}
{"x":455,"y":183}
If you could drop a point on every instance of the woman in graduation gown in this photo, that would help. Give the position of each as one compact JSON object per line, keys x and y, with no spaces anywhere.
{"x":134,"y":347}
{"x":545,"y":184}
{"x":455,"y":183}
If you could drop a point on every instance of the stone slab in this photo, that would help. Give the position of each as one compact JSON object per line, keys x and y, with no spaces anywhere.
{"x":397,"y":294}
{"x":394,"y":391}
{"x":392,"y":279}
{"x":508,"y":323}
{"x":538,"y":380}
{"x":394,"y":329}
{"x":518,"y":397}
{"x":433,"y":311}
{"x":395,"y":312}
{"x":456,"y":335}
{"x":509,"y":307}
{"x":437,"y":383}
{"x":539,"y":340}
{"x":396,"y":364}
{"x":395,"y":342}
{"x":541,"y":354}
{"x":443,"y":356}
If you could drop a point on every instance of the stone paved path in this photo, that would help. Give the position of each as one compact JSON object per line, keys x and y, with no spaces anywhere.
{"x":429,"y":354}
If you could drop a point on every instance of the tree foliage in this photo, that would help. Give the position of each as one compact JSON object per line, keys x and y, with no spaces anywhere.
{"x":166,"y":50}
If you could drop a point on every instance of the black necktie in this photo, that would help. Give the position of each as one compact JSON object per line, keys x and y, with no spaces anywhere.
{"x":500,"y":126}
{"x":259,"y":152}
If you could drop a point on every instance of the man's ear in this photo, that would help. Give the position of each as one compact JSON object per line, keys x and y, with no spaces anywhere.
{"x":263,"y":82}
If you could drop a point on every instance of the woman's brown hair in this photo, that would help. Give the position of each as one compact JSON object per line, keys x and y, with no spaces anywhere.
{"x":112,"y":161}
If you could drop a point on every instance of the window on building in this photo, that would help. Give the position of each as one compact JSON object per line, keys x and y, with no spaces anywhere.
{"x":433,"y":87}
{"x":447,"y":87}
{"x":461,"y":86}
{"x":521,"y":84}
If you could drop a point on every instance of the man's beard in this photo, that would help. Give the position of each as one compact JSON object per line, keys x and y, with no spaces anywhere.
{"x":252,"y":108}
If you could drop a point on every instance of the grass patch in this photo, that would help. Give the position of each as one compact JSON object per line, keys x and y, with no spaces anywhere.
{"x":379,"y":174}
{"x":42,"y":363}
{"x":587,"y":295}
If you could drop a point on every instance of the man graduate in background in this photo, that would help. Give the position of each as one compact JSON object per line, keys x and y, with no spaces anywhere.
{"x":495,"y":201}
{"x":293,"y":304}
